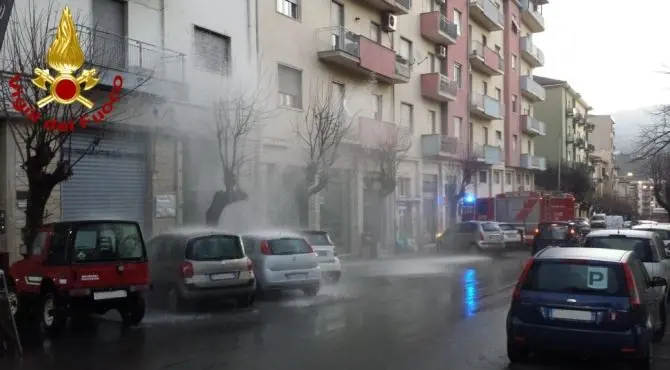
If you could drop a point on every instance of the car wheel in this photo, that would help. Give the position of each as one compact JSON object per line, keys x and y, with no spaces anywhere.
{"x":660,"y":332}
{"x":246,"y":301}
{"x":12,"y":299}
{"x":52,"y":314}
{"x":175,"y":302}
{"x":134,"y":310}
{"x":331,"y":277}
{"x":516,"y":353}
{"x":645,"y":362}
{"x":311,"y":291}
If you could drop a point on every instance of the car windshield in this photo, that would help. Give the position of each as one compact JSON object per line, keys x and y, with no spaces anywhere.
{"x":490,"y":226}
{"x":554,"y":232}
{"x":285,"y":246}
{"x":576,"y":278}
{"x":641,"y":246}
{"x":598,"y":218}
{"x":214,"y":248}
{"x":99,"y":242}
{"x":318,"y":238}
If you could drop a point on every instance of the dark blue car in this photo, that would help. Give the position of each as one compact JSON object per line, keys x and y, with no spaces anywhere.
{"x":585,"y":301}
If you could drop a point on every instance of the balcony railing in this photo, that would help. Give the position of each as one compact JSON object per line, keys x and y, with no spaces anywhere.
{"x":486,"y":60}
{"x":533,"y":126}
{"x":440,"y":145}
{"x":531,"y":53}
{"x":532,"y":162}
{"x":485,"y":107}
{"x":393,"y":6}
{"x":590,"y":148}
{"x":493,"y":155}
{"x":531,"y":89}
{"x":438,"y":87}
{"x":487,"y":14}
{"x":437,"y":28}
{"x":580,"y":142}
{"x":531,"y":15}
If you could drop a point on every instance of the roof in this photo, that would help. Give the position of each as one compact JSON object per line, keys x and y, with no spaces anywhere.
{"x":595,"y":254}
{"x":625,"y":232}
{"x":548,"y":82}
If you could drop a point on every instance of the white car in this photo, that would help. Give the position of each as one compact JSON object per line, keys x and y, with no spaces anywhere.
{"x":326,"y":253}
{"x":663,"y":231}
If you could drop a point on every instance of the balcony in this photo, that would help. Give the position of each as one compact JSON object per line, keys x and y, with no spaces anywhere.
{"x":531,"y":53}
{"x":578,"y":118}
{"x":436,"y":28}
{"x":532,"y":90}
{"x":531,"y":16}
{"x":493,"y":155}
{"x":438,"y":87}
{"x":370,"y":133}
{"x":144,"y":67}
{"x":570,"y":137}
{"x":533,"y":126}
{"x":397,"y":7}
{"x":590,"y":148}
{"x":340,"y":47}
{"x":487,"y":15}
{"x":485,"y":107}
{"x":580,"y":142}
{"x":570,"y":112}
{"x":437,"y":145}
{"x":403,"y":70}
{"x":486,"y":60}
{"x":590,"y":126}
{"x":532,"y":162}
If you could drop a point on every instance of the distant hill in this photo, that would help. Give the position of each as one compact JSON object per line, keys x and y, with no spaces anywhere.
{"x":628,"y":123}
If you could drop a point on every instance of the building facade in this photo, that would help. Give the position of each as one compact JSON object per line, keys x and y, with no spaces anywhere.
{"x":601,"y":152}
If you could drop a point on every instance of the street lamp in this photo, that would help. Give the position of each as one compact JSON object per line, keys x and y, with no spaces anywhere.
{"x":629,"y":174}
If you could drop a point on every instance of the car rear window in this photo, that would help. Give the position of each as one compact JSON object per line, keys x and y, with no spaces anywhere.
{"x":490,"y":226}
{"x":576,"y":278}
{"x":506,"y":227}
{"x":287,"y":246}
{"x":109,"y":241}
{"x":315,"y":238}
{"x":598,"y":218}
{"x":214,"y":248}
{"x":640,"y":246}
{"x":664,"y":234}
{"x":554,"y":231}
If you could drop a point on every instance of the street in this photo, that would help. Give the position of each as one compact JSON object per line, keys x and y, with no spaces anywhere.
{"x":445,"y":312}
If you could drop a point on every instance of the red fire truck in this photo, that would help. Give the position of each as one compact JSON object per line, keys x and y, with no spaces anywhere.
{"x":525,"y":209}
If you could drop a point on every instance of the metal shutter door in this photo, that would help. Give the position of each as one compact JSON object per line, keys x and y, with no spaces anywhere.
{"x":112,"y":182}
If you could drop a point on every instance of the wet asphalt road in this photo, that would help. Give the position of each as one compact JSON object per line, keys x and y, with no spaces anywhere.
{"x":443,"y":312}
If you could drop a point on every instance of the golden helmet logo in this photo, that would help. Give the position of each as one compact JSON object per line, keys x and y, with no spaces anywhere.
{"x":66,"y":57}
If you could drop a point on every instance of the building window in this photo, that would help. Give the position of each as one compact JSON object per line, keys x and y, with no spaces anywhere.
{"x":514,"y":140}
{"x":339,"y":91}
{"x":458,"y":75}
{"x":485,"y":88}
{"x":496,"y":177}
{"x":514,"y":62}
{"x":527,"y":179}
{"x":485,"y":133}
{"x":212,"y":51}
{"x":375,"y":32}
{"x":518,"y":180}
{"x":432,"y":121}
{"x":498,"y":138}
{"x":290,"y":87}
{"x":377,"y":106}
{"x":458,"y":21}
{"x":508,"y":178}
{"x":404,"y":187}
{"x":514,"y":98}
{"x":458,"y":123}
{"x":482,"y":177}
{"x":407,"y":116}
{"x":405,"y":50}
{"x":290,"y":8}
{"x":498,"y":94}
{"x":530,"y":147}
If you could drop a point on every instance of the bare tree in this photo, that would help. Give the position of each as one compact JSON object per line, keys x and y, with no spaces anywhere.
{"x":44,"y":147}
{"x":321,"y":130}
{"x":658,"y":167}
{"x":461,"y":172}
{"x":236,"y":115}
{"x":655,"y":137}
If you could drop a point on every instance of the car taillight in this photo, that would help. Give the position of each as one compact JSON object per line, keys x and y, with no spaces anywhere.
{"x":250,"y":265}
{"x":186,"y":269}
{"x":537,"y":231}
{"x":634,"y":294}
{"x":522,"y":279}
{"x":265,"y":248}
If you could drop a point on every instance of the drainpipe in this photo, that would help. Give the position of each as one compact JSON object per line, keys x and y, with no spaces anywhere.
{"x":162,"y":23}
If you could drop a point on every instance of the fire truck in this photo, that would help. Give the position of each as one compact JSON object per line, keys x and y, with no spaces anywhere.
{"x":525,"y":209}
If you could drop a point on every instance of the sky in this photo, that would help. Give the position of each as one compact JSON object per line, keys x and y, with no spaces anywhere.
{"x":611,"y":51}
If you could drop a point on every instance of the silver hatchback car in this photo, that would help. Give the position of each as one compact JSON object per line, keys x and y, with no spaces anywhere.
{"x":283,"y":260}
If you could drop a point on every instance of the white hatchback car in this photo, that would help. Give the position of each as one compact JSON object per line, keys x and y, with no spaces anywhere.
{"x":283,"y":260}
{"x":331,"y":268}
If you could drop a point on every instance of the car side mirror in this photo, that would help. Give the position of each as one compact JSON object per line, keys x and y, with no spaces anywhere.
{"x":658,"y":281}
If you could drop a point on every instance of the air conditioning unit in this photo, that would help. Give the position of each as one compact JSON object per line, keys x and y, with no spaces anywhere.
{"x":389,"y":22}
{"x":441,"y":51}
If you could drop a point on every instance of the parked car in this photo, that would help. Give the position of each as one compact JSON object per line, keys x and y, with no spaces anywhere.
{"x":475,"y":236}
{"x":627,"y":224}
{"x":513,"y":235}
{"x":585,"y":301}
{"x":648,"y":245}
{"x":283,"y":260}
{"x":326,"y":252}
{"x":81,"y":267}
{"x":555,"y":234}
{"x":663,"y":231}
{"x":598,"y":221}
{"x":191,"y":266}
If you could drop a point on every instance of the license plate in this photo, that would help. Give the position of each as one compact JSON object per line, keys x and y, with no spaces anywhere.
{"x":572,"y":315}
{"x":109,"y":295}
{"x":227,"y":276}
{"x":296,"y":276}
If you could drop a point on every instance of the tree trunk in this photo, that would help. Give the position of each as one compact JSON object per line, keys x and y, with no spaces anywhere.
{"x":302,"y":202}
{"x":38,"y":195}
{"x":220,"y":201}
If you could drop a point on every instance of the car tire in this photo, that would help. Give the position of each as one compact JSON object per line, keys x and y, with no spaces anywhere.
{"x":52,"y":315}
{"x":134,"y":310}
{"x":660,"y":332}
{"x":331,"y":277}
{"x":246,"y":301}
{"x":312,"y":291}
{"x":516,"y":354}
{"x":13,"y":299}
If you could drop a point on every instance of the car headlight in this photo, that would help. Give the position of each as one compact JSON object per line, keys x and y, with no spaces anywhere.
{"x":438,"y":235}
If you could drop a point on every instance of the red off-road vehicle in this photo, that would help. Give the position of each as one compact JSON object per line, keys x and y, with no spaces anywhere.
{"x":79,"y":268}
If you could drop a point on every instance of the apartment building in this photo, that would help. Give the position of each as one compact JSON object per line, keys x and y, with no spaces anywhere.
{"x":184,"y":52}
{"x":601,"y":152}
{"x":565,"y":114}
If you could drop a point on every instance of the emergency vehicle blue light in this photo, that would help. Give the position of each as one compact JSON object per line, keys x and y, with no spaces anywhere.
{"x":469,"y":198}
